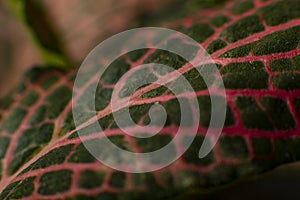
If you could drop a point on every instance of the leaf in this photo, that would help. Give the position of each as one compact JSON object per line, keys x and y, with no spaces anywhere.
{"x":42,"y":30}
{"x":255,"y":45}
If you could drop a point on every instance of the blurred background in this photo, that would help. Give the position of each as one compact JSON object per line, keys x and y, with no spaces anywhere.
{"x":62,"y":33}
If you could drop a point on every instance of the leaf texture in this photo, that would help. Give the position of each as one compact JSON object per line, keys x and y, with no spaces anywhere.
{"x":255,"y":45}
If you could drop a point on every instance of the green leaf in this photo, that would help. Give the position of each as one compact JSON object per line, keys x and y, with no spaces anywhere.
{"x":42,"y":156}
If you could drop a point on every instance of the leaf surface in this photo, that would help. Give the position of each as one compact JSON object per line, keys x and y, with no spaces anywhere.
{"x":255,"y":45}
